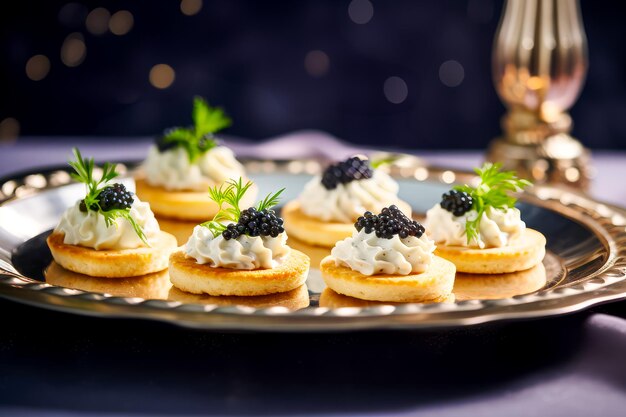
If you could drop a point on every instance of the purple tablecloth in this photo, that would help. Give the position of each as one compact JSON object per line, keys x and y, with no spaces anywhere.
{"x":55,"y":364}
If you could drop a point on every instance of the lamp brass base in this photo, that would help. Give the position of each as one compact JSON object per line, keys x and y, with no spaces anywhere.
{"x":559,"y":159}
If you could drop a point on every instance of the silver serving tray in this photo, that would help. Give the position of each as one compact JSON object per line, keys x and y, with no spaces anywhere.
{"x":585,"y":264}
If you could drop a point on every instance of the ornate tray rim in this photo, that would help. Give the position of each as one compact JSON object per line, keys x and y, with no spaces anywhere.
{"x":606,"y":284}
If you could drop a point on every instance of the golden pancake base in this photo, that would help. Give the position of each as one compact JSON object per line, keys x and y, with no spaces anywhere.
{"x":319,"y":232}
{"x":523,"y":253}
{"x":186,"y":274}
{"x":121,"y":263}
{"x":332,"y":299}
{"x":153,"y":286}
{"x":184,"y":205}
{"x":291,"y":300}
{"x":498,"y":286}
{"x":434,"y":284}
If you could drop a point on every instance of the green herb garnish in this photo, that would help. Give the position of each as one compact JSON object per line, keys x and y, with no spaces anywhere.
{"x":386,"y":160}
{"x":228,"y":196}
{"x":84,"y":173}
{"x":198,"y":139}
{"x":493,"y":190}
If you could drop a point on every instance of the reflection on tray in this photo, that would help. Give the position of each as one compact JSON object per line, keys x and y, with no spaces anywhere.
{"x":158,"y":286}
{"x":181,"y":230}
{"x":316,"y":253}
{"x":496,"y":286}
{"x":151,"y":286}
{"x":292,"y":300}
{"x":332,"y":299}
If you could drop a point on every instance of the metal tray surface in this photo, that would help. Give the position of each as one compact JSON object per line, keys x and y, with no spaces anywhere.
{"x":585,"y":264}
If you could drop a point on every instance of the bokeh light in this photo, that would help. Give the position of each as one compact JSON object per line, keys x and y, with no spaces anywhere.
{"x":9,"y":129}
{"x":162,"y":76}
{"x":97,"y":21}
{"x":395,"y":90}
{"x":121,"y":22}
{"x":528,"y":43}
{"x":37,"y":67}
{"x":451,"y":73}
{"x":73,"y":50}
{"x":190,"y":7}
{"x":361,"y":11}
{"x":316,"y":63}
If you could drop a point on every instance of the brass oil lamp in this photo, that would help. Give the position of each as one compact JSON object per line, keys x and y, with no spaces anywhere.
{"x":539,"y":67}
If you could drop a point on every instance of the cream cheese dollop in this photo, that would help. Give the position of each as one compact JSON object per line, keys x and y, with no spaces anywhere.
{"x":90,"y":230}
{"x":347,"y":202}
{"x":497,"y":227}
{"x":368,"y":254}
{"x":172,"y":170}
{"x":244,"y":252}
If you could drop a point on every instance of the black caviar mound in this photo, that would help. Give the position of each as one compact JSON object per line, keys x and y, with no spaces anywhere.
{"x":346,"y":171}
{"x":456,"y":202}
{"x":255,"y":223}
{"x":112,"y":197}
{"x":391,"y":221}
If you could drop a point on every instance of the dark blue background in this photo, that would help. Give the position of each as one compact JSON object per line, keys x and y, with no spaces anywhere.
{"x":248,"y":56}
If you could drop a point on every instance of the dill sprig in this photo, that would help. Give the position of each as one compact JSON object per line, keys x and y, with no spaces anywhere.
{"x":270,"y":200}
{"x":228,"y":196}
{"x":198,"y":139}
{"x":494,"y":190}
{"x":385,"y":160}
{"x":84,"y":168}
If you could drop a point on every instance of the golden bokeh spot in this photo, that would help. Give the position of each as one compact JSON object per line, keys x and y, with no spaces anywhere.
{"x":572,"y":174}
{"x":73,"y":50}
{"x":37,"y":67}
{"x":448,"y":177}
{"x":550,"y":111}
{"x":536,"y":83}
{"x":190,"y":7}
{"x":9,"y":129}
{"x":97,"y":21}
{"x":162,"y":76}
{"x":121,"y":22}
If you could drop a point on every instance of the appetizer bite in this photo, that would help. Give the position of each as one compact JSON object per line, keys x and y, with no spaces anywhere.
{"x":330,"y":203}
{"x":184,"y":163}
{"x":239,"y":252}
{"x":108,"y":233}
{"x":479,"y":228}
{"x":388,"y":258}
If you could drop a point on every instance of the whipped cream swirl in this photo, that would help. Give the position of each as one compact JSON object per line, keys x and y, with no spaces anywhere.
{"x":172,"y":170}
{"x":497,"y":227}
{"x":348,"y":201}
{"x":368,"y":254}
{"x":89,"y":229}
{"x":244,"y":252}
